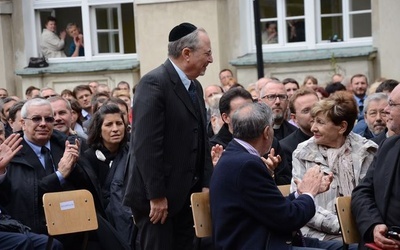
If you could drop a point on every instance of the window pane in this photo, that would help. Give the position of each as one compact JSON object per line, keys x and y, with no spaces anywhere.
{"x":106,"y":18}
{"x":331,"y":6}
{"x":108,"y":42}
{"x":294,"y":8}
{"x":268,"y":9}
{"x":360,"y":25}
{"x":101,"y":19}
{"x":296,"y":31}
{"x":332,"y":29}
{"x":360,"y":5}
{"x":269,"y":34}
{"x":128,"y":28}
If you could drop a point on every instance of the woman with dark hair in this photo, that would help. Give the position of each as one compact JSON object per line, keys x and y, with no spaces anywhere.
{"x":106,"y":166}
{"x":76,"y":116}
{"x":337,"y":151}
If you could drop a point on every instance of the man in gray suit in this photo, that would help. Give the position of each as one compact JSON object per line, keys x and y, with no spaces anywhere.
{"x":170,"y":156}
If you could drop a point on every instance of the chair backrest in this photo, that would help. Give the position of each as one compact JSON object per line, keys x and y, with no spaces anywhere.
{"x":201,"y":214}
{"x":285,"y":189}
{"x":69,"y":212}
{"x":347,"y":223}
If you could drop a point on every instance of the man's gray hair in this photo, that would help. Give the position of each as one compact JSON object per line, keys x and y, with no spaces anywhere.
{"x":374,"y":97}
{"x":34,"y":102}
{"x":190,"y":41}
{"x":250,"y":120}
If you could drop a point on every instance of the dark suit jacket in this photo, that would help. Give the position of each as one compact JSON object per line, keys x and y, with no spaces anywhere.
{"x":289,"y":144}
{"x":26,"y":182}
{"x":247,"y":209}
{"x":285,"y":129}
{"x":370,"y":199}
{"x":165,"y":145}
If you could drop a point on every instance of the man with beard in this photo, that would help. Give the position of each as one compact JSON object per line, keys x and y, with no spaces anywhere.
{"x":62,"y":120}
{"x":300,"y":106}
{"x":359,"y":84}
{"x":375,"y":115}
{"x":274,"y":95}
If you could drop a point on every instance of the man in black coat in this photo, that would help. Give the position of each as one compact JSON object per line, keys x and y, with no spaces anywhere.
{"x":300,"y":106}
{"x":375,"y":201}
{"x":170,"y":156}
{"x":230,"y":101}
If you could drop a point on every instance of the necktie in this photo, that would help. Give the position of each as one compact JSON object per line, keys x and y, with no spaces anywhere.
{"x":48,"y":161}
{"x":193,"y":94}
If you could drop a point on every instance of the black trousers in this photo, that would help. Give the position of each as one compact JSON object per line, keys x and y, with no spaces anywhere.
{"x":176,"y":233}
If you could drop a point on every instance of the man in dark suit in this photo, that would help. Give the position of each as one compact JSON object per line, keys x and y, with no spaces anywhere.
{"x":170,"y":156}
{"x":274,"y":95}
{"x":375,"y":201}
{"x":229,"y":103}
{"x":247,"y":209}
{"x":300,"y":105}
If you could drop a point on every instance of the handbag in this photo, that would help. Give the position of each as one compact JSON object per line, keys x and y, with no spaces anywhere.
{"x":37,"y":62}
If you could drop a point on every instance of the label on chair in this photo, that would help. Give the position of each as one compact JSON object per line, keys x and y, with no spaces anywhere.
{"x":66,"y":205}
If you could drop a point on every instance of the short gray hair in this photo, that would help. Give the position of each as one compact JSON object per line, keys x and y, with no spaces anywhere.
{"x":34,"y":102}
{"x":190,"y":41}
{"x":250,"y":120}
{"x":374,"y":97}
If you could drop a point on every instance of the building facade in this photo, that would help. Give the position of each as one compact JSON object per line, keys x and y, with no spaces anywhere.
{"x":124,"y":39}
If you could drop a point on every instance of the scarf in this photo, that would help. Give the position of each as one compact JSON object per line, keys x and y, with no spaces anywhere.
{"x":341,"y":163}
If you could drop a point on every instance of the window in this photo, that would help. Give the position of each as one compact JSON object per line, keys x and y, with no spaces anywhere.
{"x":310,"y":24}
{"x":107,"y":27}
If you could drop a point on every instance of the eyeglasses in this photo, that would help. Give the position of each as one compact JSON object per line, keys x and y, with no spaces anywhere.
{"x":392,"y":104}
{"x":39,"y":119}
{"x":272,"y":98}
{"x":374,"y":113}
{"x":48,"y":96}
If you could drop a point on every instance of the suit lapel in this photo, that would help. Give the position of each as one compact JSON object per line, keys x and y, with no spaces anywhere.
{"x":179,"y":88}
{"x":389,"y":168}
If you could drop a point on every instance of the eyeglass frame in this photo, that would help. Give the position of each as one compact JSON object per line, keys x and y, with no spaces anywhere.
{"x":281,"y":97}
{"x":35,"y":119}
{"x":393,"y":104}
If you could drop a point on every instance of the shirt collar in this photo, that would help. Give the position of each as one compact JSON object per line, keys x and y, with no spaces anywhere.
{"x":36,"y":148}
{"x":185,"y":80}
{"x":248,"y":147}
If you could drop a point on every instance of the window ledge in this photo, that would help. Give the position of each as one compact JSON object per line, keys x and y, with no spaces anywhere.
{"x":81,"y":67}
{"x":305,"y":55}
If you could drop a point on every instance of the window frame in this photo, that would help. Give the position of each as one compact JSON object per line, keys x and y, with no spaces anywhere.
{"x":312,"y":19}
{"x":32,"y":27}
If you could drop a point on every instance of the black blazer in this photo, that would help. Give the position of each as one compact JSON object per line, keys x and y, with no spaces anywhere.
{"x":247,"y":209}
{"x":26,"y":182}
{"x":165,"y":142}
{"x":370,"y":199}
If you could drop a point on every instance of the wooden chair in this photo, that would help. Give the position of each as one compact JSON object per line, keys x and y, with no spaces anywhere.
{"x":285,"y":189}
{"x":69,"y":212}
{"x":200,"y":203}
{"x":347,"y":223}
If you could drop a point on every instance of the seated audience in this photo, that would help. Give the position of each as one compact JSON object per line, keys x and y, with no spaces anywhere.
{"x":337,"y":151}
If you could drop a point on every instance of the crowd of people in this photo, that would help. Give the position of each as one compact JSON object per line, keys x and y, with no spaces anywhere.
{"x":142,"y":157}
